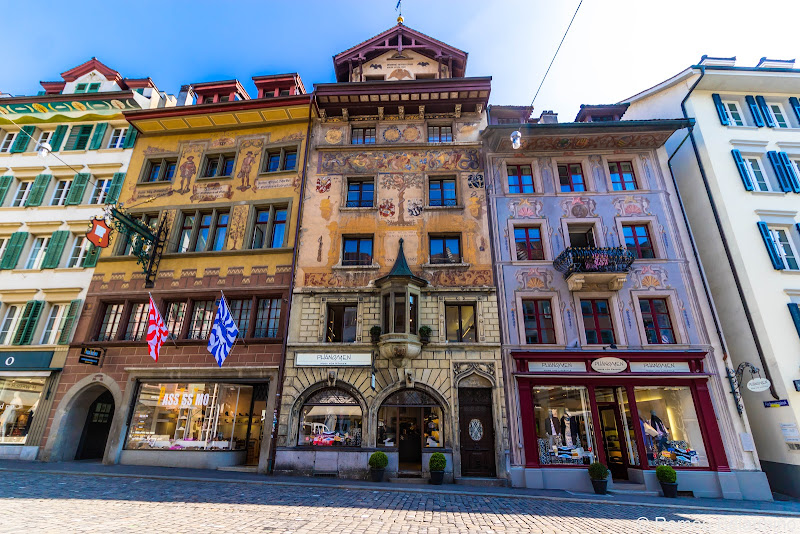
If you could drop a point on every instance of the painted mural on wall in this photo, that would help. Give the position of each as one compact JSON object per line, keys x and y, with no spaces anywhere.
{"x":579,"y":207}
{"x":403,"y":161}
{"x":602,"y":142}
{"x":67,"y":107}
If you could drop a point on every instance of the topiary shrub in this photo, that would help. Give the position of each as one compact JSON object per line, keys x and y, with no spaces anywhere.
{"x":437,"y":462}
{"x":666,"y":474}
{"x":378,"y":460}
{"x":598,"y":471}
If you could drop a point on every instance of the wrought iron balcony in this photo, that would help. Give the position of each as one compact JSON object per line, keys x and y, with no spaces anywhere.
{"x":601,"y":268}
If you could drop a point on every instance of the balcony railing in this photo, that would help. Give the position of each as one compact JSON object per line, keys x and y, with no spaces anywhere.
{"x":593,"y":260}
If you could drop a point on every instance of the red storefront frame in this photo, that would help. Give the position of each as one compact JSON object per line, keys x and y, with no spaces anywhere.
{"x":695,"y":379}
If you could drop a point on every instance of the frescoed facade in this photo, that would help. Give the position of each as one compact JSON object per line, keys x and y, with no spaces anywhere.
{"x":393,"y":339}
{"x":609,"y":347}
{"x":738,"y":173}
{"x":218,"y":178}
{"x":63,"y":155}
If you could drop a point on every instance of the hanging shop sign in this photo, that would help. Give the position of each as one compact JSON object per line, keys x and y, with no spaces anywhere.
{"x":790,"y":432}
{"x":356,"y":359}
{"x":556,"y":367}
{"x":660,"y":367}
{"x":758,"y":384}
{"x":91,"y":356}
{"x":99,"y":233}
{"x":609,"y":364}
{"x":776,"y":403}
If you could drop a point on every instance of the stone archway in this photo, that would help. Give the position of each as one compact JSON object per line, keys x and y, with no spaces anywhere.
{"x":479,"y":420}
{"x":71,"y":415}
{"x":293,"y":426}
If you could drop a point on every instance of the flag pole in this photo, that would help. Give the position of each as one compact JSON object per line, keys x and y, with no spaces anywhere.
{"x":170,"y":333}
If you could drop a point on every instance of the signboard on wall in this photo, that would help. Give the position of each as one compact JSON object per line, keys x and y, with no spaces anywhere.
{"x":326,"y":359}
{"x":35,"y":359}
{"x":556,"y":367}
{"x":776,"y":403}
{"x":660,"y":367}
{"x":609,"y":364}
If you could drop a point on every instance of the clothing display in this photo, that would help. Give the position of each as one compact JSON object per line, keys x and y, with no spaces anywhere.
{"x":569,"y":429}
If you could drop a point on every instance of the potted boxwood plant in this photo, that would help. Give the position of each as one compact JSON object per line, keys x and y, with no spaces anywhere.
{"x":667,"y":477}
{"x":598,"y":473}
{"x":375,"y":333}
{"x":377,"y":463}
{"x":436,"y":465}
{"x":425,"y":334}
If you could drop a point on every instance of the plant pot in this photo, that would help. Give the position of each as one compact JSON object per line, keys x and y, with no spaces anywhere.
{"x":425,"y":339}
{"x":669,"y":489}
{"x":377,"y":474}
{"x":600,"y":486}
{"x":375,"y":339}
{"x":437,"y":477}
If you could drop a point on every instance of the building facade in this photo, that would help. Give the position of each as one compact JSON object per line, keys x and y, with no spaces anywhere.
{"x":216,"y":179}
{"x":393,"y":340}
{"x":609,"y":346}
{"x":63,"y":155}
{"x":738,"y":176}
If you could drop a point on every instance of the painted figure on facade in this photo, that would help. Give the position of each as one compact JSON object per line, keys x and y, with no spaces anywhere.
{"x":244,"y":171}
{"x":188,"y":169}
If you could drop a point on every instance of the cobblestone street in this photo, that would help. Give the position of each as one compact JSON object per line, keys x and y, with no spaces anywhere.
{"x":44,"y":502}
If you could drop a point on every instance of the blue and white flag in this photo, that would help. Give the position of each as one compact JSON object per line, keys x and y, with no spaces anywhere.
{"x":223,"y":333}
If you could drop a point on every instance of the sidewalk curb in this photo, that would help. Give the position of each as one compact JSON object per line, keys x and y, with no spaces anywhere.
{"x":406,"y":490}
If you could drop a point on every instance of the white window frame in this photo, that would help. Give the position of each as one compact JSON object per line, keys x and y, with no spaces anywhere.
{"x":748,"y":161}
{"x":10,"y":319}
{"x":100,"y":191}
{"x":117,"y":138}
{"x":24,"y":188}
{"x":59,"y":198}
{"x":731,"y":120}
{"x":78,"y":252}
{"x":779,"y":246}
{"x":8,"y":142}
{"x":53,"y":325}
{"x":782,"y":113}
{"x":44,"y":137}
{"x":37,"y":253}
{"x":3,"y":245}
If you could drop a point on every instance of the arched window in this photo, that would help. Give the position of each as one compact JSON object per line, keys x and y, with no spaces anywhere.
{"x":330,"y":417}
{"x":410,"y":420}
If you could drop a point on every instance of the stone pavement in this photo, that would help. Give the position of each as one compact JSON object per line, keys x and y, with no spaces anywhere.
{"x":38,"y":498}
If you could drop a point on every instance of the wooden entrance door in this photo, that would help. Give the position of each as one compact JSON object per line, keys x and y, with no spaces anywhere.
{"x":95,"y":430}
{"x":614,"y":440}
{"x":476,"y":432}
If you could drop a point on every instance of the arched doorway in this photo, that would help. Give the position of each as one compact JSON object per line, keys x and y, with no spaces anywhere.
{"x":96,"y":428}
{"x":410,"y":420}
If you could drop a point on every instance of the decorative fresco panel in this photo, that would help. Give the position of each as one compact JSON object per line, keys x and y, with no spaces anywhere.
{"x":631,"y":206}
{"x":649,"y":277}
{"x":66,"y":107}
{"x":605,"y":142}
{"x":402,"y":161}
{"x":578,"y":207}
{"x":525,"y":208}
{"x":534,"y":278}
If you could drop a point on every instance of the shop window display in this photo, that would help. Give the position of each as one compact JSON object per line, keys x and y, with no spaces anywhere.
{"x":412,"y":417}
{"x":563,"y":425}
{"x":330,"y":418}
{"x":19,"y":400}
{"x":192,"y":416}
{"x":670,"y":427}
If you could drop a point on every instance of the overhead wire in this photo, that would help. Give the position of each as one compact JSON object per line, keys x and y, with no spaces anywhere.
{"x":556,"y":54}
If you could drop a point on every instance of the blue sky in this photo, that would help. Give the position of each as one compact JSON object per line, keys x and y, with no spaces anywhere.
{"x":615,"y":47}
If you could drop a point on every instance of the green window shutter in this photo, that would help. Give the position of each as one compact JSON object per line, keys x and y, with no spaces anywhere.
{"x":115,"y":188}
{"x":97,"y":138}
{"x":13,"y":250}
{"x":55,"y":249}
{"x":130,"y":137}
{"x":27,"y":325}
{"x":38,"y":189}
{"x":92,"y":256}
{"x":5,"y":184}
{"x":58,"y":137}
{"x":69,"y":320}
{"x":22,"y":139}
{"x":77,"y":188}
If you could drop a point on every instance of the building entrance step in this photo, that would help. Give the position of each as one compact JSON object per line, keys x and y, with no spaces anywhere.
{"x":240,"y":468}
{"x":409,"y":480}
{"x":483,"y":481}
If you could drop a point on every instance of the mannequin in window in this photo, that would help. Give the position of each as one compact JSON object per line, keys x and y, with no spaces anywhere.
{"x":569,"y":429}
{"x":663,"y":432}
{"x":552,"y":427}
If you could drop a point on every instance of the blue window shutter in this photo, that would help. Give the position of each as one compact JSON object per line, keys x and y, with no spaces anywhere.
{"x":22,"y":139}
{"x":791,"y":175}
{"x":757,"y":118}
{"x":795,"y":106}
{"x":723,"y":115}
{"x":97,"y":138}
{"x":780,"y":172}
{"x":130,"y":137}
{"x":58,"y":137}
{"x":794,"y":309}
{"x":743,"y":171}
{"x":762,"y":105}
{"x":772,"y":248}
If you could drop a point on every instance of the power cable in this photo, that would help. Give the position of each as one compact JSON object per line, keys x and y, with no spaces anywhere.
{"x":557,"y":49}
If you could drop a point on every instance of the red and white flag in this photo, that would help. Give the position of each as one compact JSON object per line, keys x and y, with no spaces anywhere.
{"x":156,"y":330}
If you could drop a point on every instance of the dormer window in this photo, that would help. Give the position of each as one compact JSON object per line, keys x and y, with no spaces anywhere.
{"x":400,"y":294}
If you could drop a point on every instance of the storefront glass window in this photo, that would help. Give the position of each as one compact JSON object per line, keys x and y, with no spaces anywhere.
{"x":410,"y":418}
{"x":192,"y":416}
{"x":330,"y":418}
{"x":563,"y":425}
{"x":19,"y":400}
{"x":670,"y":427}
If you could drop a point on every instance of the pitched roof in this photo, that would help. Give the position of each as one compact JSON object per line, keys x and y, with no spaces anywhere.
{"x":84,"y":68}
{"x":401,"y":270}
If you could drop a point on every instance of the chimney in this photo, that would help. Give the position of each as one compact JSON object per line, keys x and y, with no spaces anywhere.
{"x":186,"y":96}
{"x":548,"y":117}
